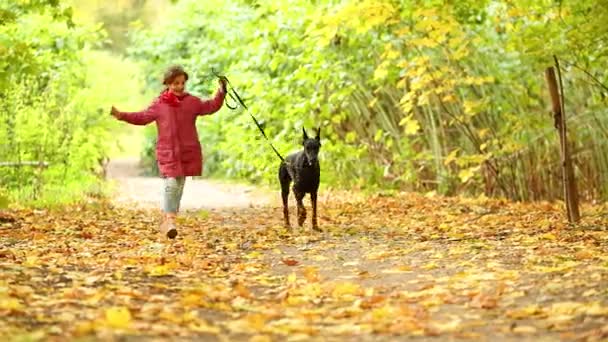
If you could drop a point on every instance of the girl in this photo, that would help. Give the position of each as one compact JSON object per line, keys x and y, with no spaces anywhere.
{"x":178,"y":150}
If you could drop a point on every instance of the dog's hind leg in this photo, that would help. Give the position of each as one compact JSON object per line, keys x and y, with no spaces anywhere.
{"x":313,"y":201}
{"x":285,"y":180}
{"x":301,"y":209}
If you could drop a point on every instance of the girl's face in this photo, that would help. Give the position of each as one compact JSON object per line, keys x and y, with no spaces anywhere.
{"x":178,"y":85}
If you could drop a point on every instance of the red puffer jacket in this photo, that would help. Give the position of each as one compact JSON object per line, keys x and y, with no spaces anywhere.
{"x":178,"y":150}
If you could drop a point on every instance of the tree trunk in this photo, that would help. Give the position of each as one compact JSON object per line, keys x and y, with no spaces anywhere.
{"x":569,"y":183}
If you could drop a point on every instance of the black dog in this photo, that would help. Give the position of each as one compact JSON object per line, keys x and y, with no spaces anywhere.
{"x":303,"y":169}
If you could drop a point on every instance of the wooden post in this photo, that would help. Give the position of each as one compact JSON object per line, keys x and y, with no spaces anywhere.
{"x":570,"y":190}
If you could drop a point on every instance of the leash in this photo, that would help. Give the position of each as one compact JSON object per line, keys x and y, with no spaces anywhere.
{"x":235,"y":97}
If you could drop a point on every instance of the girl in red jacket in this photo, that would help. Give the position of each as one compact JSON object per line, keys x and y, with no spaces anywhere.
{"x":178,"y":150}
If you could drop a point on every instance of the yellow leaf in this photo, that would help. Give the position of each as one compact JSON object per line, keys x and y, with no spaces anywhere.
{"x":380,"y":72}
{"x":595,"y":309}
{"x":84,"y":328}
{"x":455,"y":42}
{"x":10,"y":304}
{"x":31,"y":261}
{"x":451,"y":157}
{"x":407,"y":106}
{"x":411,"y":127}
{"x":471,"y":108}
{"x":257,"y":321}
{"x":373,"y":102}
{"x":311,"y":273}
{"x":118,"y":317}
{"x":524,"y":329}
{"x":590,"y":293}
{"x":350,"y":137}
{"x":402,"y":82}
{"x":254,"y":255}
{"x":159,"y":270}
{"x":392,"y":54}
{"x":424,"y":42}
{"x":451,"y":326}
{"x":429,"y":266}
{"x":483,"y":132}
{"x":461,"y":52}
{"x":191,"y":299}
{"x":260,"y":338}
{"x":345,"y":289}
{"x":466,"y":174}
{"x":319,"y":258}
{"x":383,"y":313}
{"x":402,"y":31}
{"x":548,"y":236}
{"x":448,"y":98}
{"x":524,"y":313}
{"x":379,"y":134}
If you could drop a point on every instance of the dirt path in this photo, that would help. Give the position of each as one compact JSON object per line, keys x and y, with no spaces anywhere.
{"x":145,"y":192}
{"x":386,"y":268}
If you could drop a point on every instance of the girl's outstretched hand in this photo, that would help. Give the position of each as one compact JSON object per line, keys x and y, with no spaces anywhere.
{"x":114,"y":112}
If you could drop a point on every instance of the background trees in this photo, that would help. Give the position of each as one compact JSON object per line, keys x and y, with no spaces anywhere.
{"x":442,"y":96}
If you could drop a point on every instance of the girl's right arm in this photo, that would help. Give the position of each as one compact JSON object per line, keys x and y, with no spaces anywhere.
{"x":137,"y":118}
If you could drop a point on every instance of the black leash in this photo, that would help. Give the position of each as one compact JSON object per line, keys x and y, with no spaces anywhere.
{"x":235,"y":97}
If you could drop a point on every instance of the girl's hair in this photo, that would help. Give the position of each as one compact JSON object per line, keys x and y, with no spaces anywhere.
{"x":172,"y":73}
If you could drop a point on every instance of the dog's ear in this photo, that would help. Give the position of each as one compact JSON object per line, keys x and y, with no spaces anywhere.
{"x":305,"y":136}
{"x":318,"y":134}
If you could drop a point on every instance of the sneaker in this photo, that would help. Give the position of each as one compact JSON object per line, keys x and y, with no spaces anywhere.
{"x":168,"y":228}
{"x":171,"y":230}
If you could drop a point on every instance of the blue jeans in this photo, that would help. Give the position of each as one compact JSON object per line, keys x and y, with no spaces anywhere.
{"x":173,"y":188}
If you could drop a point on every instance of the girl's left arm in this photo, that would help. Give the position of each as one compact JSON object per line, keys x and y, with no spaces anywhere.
{"x":210,"y":106}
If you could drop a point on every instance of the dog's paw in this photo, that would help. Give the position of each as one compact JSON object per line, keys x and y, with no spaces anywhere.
{"x":301,"y":218}
{"x":316,"y":228}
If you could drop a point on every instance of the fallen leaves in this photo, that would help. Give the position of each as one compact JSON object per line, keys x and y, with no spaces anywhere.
{"x":405,"y":265}
{"x":290,"y":262}
{"x":484,"y":301}
{"x":118,"y":317}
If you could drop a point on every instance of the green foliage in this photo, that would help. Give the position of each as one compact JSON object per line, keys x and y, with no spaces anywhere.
{"x":446,"y":96}
{"x":11,"y":11}
{"x":49,"y":112}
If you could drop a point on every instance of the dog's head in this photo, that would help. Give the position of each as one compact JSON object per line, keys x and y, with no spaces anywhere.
{"x":312,"y":146}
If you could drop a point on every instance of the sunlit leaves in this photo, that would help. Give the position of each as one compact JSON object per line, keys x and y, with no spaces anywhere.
{"x":360,"y":16}
{"x":466,"y":72}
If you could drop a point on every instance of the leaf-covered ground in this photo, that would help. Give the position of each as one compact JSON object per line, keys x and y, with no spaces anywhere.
{"x":386,"y":268}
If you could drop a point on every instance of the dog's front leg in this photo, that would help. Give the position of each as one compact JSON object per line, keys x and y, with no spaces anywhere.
{"x":301,"y":209}
{"x":313,"y":201}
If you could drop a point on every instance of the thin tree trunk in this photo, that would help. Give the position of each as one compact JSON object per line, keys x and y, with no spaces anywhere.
{"x":569,"y":183}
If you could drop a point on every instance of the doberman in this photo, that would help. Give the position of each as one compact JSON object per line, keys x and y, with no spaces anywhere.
{"x":303,"y":169}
